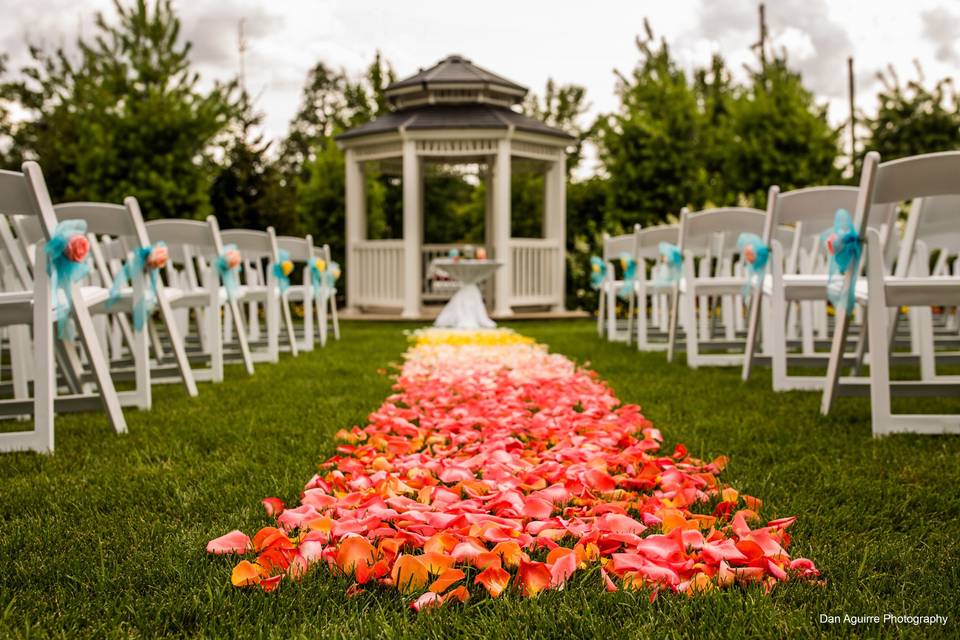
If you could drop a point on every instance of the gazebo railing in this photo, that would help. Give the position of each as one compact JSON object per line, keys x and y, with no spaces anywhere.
{"x":537,"y":277}
{"x":379,"y":273}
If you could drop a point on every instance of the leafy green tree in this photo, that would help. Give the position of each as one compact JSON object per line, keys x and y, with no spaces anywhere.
{"x":779,"y":136}
{"x":652,"y":146}
{"x":313,"y":165}
{"x":126,"y":118}
{"x":562,"y":107}
{"x":913,"y":119}
{"x":248,"y":193}
{"x":6,"y":126}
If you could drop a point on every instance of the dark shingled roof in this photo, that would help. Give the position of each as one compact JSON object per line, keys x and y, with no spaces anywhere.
{"x":461,"y":116}
{"x":454,"y":70}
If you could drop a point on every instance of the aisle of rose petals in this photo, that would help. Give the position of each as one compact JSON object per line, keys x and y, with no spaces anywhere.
{"x":499,"y":467}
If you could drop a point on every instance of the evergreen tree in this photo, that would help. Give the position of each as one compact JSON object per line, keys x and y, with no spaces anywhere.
{"x":913,"y":119}
{"x":779,"y":136}
{"x":652,"y":147}
{"x":247,"y":193}
{"x":126,"y":118}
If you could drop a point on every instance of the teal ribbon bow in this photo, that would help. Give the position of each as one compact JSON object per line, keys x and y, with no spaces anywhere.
{"x":598,"y":272}
{"x":629,"y":266}
{"x":229,"y":274}
{"x":282,"y":270}
{"x":67,"y":262}
{"x":756,"y":255}
{"x":671,"y":264}
{"x":138,"y":262}
{"x":316,"y":275}
{"x":844,"y":246}
{"x":333,"y":274}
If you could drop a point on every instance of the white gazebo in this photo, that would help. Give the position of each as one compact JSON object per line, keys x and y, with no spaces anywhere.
{"x":455,"y":113}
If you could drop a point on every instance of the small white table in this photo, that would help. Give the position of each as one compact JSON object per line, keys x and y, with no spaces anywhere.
{"x":466,"y":310}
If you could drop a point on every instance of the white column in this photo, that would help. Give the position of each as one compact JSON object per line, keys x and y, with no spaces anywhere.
{"x":356,"y":214}
{"x":501,"y":228}
{"x":412,"y":230}
{"x":555,"y":223}
{"x":488,"y":222}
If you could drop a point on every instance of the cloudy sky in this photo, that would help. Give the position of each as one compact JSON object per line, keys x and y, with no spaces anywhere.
{"x":526,"y":40}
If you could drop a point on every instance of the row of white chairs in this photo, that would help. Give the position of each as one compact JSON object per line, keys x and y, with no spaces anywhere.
{"x":165,"y":301}
{"x":701,"y":292}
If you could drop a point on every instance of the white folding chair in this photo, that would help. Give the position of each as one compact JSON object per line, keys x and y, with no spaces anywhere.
{"x":25,"y":194}
{"x":122,"y":229}
{"x":300,"y":251}
{"x":196,"y":246}
{"x":799,"y":278}
{"x":653,"y":290}
{"x":328,"y":294}
{"x":260,"y":253}
{"x":611,"y":287}
{"x":924,"y":176}
{"x":714,"y":234}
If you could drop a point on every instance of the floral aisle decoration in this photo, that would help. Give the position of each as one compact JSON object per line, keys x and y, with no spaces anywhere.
{"x":497,"y":467}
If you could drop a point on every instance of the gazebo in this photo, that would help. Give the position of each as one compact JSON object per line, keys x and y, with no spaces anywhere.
{"x":455,"y":113}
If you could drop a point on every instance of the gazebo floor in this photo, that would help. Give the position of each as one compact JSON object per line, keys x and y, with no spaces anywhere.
{"x":430,"y":312}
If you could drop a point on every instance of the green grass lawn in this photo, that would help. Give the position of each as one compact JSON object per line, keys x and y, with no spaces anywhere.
{"x":106,"y":537}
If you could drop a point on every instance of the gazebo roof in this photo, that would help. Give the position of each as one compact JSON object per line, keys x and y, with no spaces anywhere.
{"x":454,"y":94}
{"x":455,"y":69}
{"x":464,"y":116}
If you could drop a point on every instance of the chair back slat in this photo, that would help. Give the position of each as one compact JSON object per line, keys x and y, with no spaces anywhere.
{"x":102,"y":218}
{"x":251,"y":243}
{"x":183,"y":233}
{"x":932,"y":174}
{"x":298,"y":248}
{"x":613,"y":246}
{"x":704,"y":224}
{"x":15,"y":198}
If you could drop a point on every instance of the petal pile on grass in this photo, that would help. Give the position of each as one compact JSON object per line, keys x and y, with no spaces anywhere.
{"x":498,"y":467}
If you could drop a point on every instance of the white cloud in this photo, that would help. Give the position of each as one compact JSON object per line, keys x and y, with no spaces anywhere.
{"x":528,"y":41}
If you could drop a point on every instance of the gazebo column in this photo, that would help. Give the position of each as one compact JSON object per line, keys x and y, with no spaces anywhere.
{"x":555,"y":222}
{"x":412,"y":230}
{"x":356,"y":213}
{"x":501,"y":229}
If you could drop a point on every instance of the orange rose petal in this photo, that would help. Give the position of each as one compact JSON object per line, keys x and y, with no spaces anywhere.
{"x":447,"y":579}
{"x":245,"y":574}
{"x":354,"y":550}
{"x":409,"y":573}
{"x":436,"y":563}
{"x":533,"y":577}
{"x":494,"y":580}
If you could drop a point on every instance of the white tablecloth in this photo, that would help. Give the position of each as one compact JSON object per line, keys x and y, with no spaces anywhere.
{"x":466,"y":310}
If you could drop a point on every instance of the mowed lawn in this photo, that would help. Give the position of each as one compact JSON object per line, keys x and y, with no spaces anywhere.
{"x":106,"y":537}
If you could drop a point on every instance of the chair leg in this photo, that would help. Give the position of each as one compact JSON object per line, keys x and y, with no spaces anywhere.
{"x":308,"y":337}
{"x":322,"y":319}
{"x":44,"y":381}
{"x":101,"y":371}
{"x":240,"y":325}
{"x":672,"y":331}
{"x":333,"y":316}
{"x":832,"y":382}
{"x":878,"y":316}
{"x":288,"y":321}
{"x":752,"y":326}
{"x":176,"y":343}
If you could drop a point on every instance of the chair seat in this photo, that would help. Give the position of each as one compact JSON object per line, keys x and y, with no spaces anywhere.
{"x":719,"y":285}
{"x":809,"y":286}
{"x":16,"y":307}
{"x":243,"y":293}
{"x":922,"y":291}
